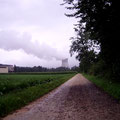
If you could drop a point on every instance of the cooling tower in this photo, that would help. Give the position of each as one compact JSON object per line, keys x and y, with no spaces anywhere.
{"x":65,"y":63}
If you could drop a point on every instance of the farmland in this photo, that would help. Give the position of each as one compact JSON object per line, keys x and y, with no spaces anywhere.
{"x":17,"y":90}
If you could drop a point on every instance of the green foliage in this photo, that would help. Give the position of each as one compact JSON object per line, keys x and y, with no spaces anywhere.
{"x":98,"y":68}
{"x":18,"y":90}
{"x":84,"y":49}
{"x":75,"y":69}
{"x":87,"y":61}
{"x":110,"y":86}
{"x":34,"y":69}
{"x":98,"y":24}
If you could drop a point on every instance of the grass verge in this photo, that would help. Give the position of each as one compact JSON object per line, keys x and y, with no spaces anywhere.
{"x":22,"y":89}
{"x":111,"y":87}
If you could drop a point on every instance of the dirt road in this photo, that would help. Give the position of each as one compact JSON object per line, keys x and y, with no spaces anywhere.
{"x":77,"y":99}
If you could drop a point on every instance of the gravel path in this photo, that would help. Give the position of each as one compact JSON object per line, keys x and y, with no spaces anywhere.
{"x":77,"y":99}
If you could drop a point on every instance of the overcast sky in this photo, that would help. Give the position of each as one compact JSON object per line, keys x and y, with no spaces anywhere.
{"x":35,"y":32}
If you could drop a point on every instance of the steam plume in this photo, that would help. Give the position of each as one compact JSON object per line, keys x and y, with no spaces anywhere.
{"x":12,"y":40}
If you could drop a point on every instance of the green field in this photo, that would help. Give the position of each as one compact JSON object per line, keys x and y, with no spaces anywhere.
{"x":17,"y":90}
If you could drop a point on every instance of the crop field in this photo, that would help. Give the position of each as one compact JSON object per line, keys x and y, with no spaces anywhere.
{"x":17,"y":90}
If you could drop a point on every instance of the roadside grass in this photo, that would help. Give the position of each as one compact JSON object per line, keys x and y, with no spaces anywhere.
{"x":109,"y":86}
{"x":17,"y":91}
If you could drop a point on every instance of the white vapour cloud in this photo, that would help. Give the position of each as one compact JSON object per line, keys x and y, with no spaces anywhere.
{"x":24,"y":21}
{"x":12,"y":40}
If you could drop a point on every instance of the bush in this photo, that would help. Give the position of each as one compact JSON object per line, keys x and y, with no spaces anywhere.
{"x":98,"y":68}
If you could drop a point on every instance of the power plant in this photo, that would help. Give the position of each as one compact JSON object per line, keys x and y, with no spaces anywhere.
{"x":65,"y":63}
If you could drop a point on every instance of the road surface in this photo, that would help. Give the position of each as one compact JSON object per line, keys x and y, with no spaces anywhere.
{"x":77,"y":99}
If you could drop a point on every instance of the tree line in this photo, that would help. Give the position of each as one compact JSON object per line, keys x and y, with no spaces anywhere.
{"x":97,"y":36}
{"x":43,"y":69}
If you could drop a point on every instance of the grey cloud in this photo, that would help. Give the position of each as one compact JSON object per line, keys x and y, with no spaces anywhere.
{"x":37,"y":13}
{"x":12,"y":40}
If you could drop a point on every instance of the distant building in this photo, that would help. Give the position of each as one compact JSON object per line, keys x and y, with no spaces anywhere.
{"x":3,"y":69}
{"x":6,"y":68}
{"x":65,"y":63}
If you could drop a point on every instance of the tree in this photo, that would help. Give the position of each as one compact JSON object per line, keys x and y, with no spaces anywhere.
{"x":100,"y":19}
{"x":84,"y":49}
